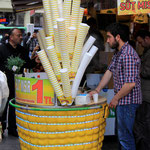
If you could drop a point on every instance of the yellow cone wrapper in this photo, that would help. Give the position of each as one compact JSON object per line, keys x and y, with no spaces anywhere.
{"x":81,"y":12}
{"x":45,"y":24}
{"x":83,"y":30}
{"x":54,"y":11}
{"x":49,"y":41}
{"x":75,"y":13}
{"x":42,"y":35}
{"x":46,"y":5}
{"x":66,"y":85}
{"x":67,"y":12}
{"x":40,"y":41}
{"x":62,"y":39}
{"x":56,"y":39}
{"x":71,"y":39}
{"x":54,"y":60}
{"x":48,"y":69}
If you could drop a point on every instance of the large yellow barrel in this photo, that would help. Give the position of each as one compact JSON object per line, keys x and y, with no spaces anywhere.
{"x":61,"y":128}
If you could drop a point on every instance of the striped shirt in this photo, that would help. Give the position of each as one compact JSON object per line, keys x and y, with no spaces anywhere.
{"x":125,"y":67}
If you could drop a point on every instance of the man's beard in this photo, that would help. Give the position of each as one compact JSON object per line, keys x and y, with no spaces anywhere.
{"x":115,"y":45}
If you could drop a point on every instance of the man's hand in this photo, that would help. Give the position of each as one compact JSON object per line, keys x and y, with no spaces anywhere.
{"x":113,"y":103}
{"x":92,"y":92}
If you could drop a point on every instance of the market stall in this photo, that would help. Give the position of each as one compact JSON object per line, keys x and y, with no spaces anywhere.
{"x":50,"y":112}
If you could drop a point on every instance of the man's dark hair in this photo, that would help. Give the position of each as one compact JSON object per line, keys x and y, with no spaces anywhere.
{"x":119,"y":29}
{"x":142,"y":34}
{"x":92,"y":22}
{"x":29,"y":33}
{"x":11,"y":31}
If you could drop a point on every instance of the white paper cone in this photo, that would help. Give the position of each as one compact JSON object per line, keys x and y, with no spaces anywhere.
{"x":86,"y":60}
{"x":93,"y":50}
{"x":87,"y":46}
{"x":84,"y":63}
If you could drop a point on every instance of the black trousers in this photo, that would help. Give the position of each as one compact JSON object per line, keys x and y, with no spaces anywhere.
{"x":141,"y":127}
{"x":11,"y":118}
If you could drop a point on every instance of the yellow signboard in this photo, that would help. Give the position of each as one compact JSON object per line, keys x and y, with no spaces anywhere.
{"x":128,"y":7}
{"x":34,"y":91}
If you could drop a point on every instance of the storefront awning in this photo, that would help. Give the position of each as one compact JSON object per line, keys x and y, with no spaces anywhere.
{"x":25,"y":5}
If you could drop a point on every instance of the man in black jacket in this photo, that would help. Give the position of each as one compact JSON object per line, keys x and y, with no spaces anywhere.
{"x":142,"y":120}
{"x":13,"y":48}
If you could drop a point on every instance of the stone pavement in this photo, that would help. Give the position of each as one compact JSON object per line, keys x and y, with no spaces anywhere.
{"x":12,"y":143}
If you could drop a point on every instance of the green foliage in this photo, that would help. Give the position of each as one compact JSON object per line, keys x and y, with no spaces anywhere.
{"x":14,"y":64}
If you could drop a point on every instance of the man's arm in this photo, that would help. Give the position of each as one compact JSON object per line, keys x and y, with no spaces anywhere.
{"x":105,"y":79}
{"x":125,"y":90}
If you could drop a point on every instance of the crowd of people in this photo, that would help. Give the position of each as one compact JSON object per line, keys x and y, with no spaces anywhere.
{"x":131,"y":75}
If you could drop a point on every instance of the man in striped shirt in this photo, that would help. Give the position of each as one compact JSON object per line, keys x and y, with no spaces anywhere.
{"x":125,"y":69}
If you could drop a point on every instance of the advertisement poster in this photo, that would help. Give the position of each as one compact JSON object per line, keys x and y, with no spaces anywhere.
{"x":128,"y":7}
{"x":34,"y":91}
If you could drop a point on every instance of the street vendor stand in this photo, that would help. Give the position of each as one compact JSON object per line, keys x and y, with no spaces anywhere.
{"x":64,"y":55}
{"x":41,"y":125}
{"x":69,"y":128}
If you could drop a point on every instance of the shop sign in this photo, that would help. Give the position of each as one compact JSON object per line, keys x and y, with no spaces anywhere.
{"x":34,"y":91}
{"x":128,"y":7}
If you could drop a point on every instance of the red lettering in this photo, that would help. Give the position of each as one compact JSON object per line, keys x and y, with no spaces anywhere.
{"x":122,"y":5}
{"x":48,"y":100}
{"x":141,"y":5}
{"x":145,"y":5}
{"x":128,"y":6}
{"x":133,"y":5}
{"x":148,"y":3}
{"x":39,"y":87}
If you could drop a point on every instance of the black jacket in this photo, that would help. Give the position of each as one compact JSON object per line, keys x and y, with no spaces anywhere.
{"x":145,"y":75}
{"x":6,"y":50}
